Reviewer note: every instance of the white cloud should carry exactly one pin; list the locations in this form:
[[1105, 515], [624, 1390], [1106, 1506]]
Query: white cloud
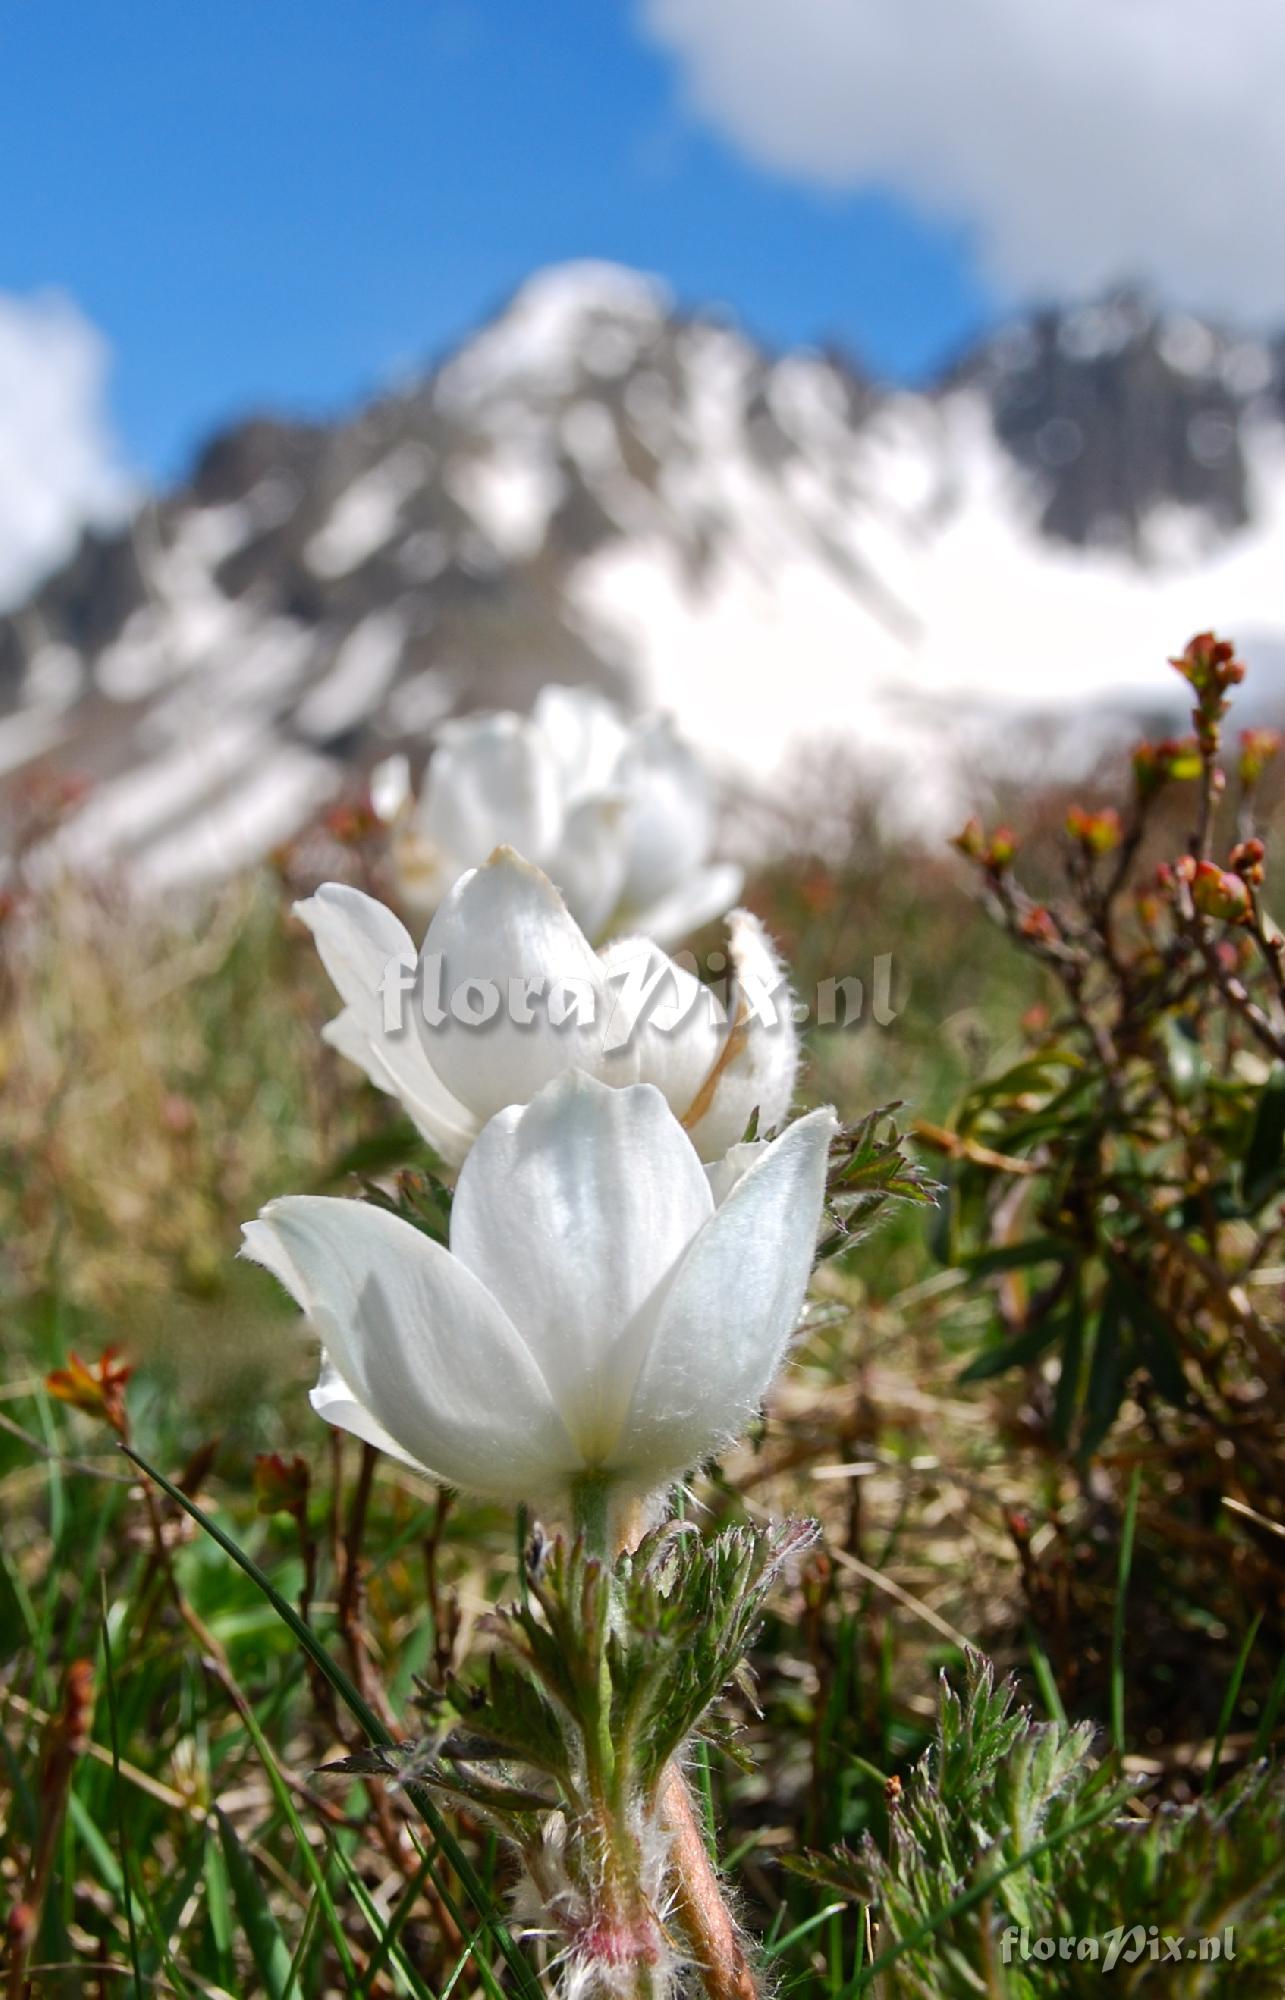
[[1080, 141], [60, 465]]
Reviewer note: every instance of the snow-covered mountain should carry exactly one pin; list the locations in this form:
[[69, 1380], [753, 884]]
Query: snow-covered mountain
[[594, 487]]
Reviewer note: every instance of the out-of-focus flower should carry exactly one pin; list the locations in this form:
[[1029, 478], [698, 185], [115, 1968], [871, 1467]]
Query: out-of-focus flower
[[617, 813], [602, 1314], [507, 993], [1155, 764], [98, 1390], [281, 1485], [993, 851], [1257, 749], [1216, 893], [1248, 860], [1210, 666], [1096, 832]]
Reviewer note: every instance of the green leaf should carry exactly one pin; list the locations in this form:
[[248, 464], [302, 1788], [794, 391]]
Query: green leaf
[[1018, 1256], [1066, 1400], [496, 1929], [268, 1948], [1108, 1371], [394, 1145], [1016, 1353]]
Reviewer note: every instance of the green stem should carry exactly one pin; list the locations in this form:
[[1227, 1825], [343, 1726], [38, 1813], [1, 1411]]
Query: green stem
[[592, 1513]]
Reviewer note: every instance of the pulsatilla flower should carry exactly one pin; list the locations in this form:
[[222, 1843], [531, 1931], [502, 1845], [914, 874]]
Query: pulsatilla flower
[[609, 1311], [507, 993], [617, 811]]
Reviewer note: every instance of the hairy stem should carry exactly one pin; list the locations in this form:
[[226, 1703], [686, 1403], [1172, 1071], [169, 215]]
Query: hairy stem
[[698, 1899]]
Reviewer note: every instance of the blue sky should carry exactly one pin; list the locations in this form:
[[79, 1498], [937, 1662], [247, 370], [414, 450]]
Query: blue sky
[[270, 203]]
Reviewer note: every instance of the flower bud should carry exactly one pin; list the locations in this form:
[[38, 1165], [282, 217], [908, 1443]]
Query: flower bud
[[1257, 748], [1210, 667], [98, 1391], [1039, 926], [1097, 832], [281, 1485], [1216, 893], [1209, 664], [970, 840], [1247, 859]]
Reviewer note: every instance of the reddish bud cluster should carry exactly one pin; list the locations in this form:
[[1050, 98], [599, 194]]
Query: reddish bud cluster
[[1257, 748], [352, 821], [1210, 666], [1037, 924], [1248, 860], [99, 1391], [818, 890], [1156, 764], [1096, 832], [1215, 892], [77, 1706], [280, 1485], [994, 851]]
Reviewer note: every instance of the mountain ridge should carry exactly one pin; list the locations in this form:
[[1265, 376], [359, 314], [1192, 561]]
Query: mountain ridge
[[594, 487]]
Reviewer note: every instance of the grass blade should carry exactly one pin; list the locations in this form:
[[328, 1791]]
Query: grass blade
[[1230, 1699], [494, 1926], [262, 1933], [118, 1799], [1117, 1629]]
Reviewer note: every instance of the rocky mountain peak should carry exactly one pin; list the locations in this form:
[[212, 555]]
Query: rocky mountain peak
[[596, 487]]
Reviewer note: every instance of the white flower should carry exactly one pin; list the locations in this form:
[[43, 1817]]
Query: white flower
[[504, 935], [617, 813], [598, 1313]]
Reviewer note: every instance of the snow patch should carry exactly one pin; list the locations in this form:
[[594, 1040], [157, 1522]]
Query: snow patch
[[510, 494], [358, 679], [572, 317], [365, 515]]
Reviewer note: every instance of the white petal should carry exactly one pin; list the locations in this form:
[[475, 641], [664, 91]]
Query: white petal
[[719, 1331], [588, 866], [419, 1343], [675, 1025], [491, 780], [759, 1068], [707, 894], [390, 792], [346, 1036], [669, 822], [334, 1400], [585, 733], [573, 1212], [736, 1162], [501, 926], [358, 939]]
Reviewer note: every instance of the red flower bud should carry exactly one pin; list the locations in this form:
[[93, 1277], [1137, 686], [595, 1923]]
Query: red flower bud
[[1002, 849], [99, 1391], [1097, 833], [1216, 893], [1257, 748], [1039, 925], [1247, 859], [280, 1485], [970, 840]]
